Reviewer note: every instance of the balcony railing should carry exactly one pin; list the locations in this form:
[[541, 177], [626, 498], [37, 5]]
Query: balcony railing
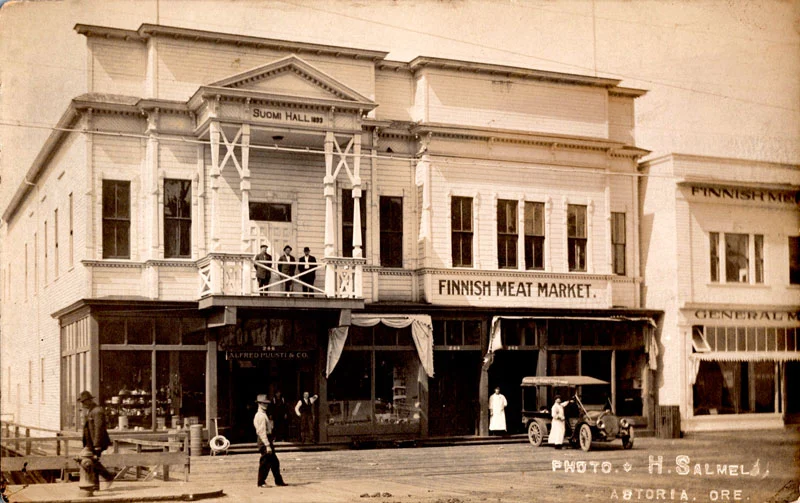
[[235, 274]]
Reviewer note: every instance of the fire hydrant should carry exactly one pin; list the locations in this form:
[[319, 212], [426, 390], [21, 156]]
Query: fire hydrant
[[86, 464]]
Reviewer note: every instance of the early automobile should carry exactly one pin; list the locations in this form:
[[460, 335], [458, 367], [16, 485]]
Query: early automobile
[[584, 424]]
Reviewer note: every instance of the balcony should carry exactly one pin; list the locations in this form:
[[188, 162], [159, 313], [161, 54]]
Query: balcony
[[227, 274]]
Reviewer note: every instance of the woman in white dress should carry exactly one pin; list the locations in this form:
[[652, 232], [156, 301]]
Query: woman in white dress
[[497, 412], [558, 425]]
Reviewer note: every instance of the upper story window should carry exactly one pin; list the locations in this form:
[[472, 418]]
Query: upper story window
[[116, 219], [507, 234], [177, 218], [534, 235], [461, 231], [618, 242], [738, 250], [794, 260], [270, 212], [576, 237], [347, 222], [391, 231]]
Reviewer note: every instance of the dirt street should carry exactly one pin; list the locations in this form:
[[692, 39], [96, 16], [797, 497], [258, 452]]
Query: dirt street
[[746, 466]]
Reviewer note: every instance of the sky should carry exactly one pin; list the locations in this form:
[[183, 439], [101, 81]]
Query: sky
[[723, 76]]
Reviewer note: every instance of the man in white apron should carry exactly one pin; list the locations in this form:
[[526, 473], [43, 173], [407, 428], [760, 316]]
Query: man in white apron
[[558, 425], [497, 412]]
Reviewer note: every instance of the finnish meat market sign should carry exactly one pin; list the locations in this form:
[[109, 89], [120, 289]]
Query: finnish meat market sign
[[516, 291]]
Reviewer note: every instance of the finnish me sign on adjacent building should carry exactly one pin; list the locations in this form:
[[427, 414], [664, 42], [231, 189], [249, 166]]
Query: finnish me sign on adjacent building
[[515, 291]]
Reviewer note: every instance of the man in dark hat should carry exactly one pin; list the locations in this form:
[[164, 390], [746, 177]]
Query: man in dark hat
[[95, 437], [306, 268], [268, 461], [262, 274], [287, 266]]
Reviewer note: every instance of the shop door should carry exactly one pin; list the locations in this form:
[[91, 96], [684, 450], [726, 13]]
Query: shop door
[[506, 372], [453, 401]]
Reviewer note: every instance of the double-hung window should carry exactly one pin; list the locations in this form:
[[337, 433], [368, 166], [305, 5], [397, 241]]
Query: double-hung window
[[116, 219], [461, 231], [739, 250], [576, 237], [391, 231], [618, 242], [794, 260], [507, 234], [177, 218], [534, 235]]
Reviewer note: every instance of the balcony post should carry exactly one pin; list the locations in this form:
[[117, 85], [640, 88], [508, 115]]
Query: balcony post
[[328, 192], [357, 238], [214, 133], [244, 186]]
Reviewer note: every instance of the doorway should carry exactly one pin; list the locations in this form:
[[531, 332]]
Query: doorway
[[453, 400], [506, 372]]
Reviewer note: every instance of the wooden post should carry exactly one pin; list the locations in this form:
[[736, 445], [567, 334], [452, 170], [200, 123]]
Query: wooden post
[[138, 468], [27, 441], [16, 438], [58, 444], [165, 471]]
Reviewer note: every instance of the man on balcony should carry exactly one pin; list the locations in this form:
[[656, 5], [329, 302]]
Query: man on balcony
[[262, 261], [306, 268], [287, 266]]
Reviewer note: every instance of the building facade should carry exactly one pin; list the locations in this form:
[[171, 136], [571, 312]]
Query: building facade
[[720, 254], [472, 223]]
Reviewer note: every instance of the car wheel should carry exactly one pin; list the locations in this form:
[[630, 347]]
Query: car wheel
[[585, 437], [535, 433]]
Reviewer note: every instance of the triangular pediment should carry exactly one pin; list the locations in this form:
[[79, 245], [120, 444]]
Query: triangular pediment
[[294, 77]]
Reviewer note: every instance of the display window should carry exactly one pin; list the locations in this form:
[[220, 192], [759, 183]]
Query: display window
[[126, 388], [725, 387]]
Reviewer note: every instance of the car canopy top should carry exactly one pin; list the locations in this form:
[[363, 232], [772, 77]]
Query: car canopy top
[[560, 381]]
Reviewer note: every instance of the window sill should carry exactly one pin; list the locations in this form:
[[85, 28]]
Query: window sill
[[751, 286]]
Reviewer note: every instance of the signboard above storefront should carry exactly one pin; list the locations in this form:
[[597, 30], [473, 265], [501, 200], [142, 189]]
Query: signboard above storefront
[[279, 115], [267, 355], [516, 290], [722, 193]]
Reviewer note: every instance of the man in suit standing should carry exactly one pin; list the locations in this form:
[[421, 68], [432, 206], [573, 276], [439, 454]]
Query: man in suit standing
[[305, 411], [287, 266], [262, 274], [95, 439], [307, 262]]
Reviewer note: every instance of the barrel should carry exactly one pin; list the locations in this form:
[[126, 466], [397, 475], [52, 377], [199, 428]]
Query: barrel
[[196, 439]]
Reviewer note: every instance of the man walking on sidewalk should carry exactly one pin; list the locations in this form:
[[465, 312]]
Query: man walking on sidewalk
[[95, 438], [268, 461]]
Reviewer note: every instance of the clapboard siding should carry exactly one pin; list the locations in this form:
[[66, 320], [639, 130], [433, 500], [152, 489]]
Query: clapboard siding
[[512, 182], [183, 66], [117, 67], [623, 294], [395, 95], [510, 104], [621, 121], [118, 281], [394, 286], [180, 283], [177, 159]]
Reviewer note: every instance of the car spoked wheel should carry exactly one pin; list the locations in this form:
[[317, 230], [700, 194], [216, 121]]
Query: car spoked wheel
[[535, 433], [585, 437]]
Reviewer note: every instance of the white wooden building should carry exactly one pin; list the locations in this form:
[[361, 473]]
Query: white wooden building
[[720, 255], [450, 204]]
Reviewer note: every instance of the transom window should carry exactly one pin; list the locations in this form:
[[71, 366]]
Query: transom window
[[270, 212]]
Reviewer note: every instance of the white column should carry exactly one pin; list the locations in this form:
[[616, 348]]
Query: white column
[[357, 238], [244, 186], [214, 135], [152, 189], [330, 231], [199, 215], [89, 192], [609, 247], [548, 235]]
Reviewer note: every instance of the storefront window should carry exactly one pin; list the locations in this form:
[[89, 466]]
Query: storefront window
[[349, 388], [396, 389], [180, 387], [735, 388], [125, 388]]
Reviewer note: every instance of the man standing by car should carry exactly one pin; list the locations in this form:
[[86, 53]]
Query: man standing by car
[[95, 438], [558, 425]]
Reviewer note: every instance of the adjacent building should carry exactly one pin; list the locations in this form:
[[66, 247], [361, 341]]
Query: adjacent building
[[472, 224], [721, 258]]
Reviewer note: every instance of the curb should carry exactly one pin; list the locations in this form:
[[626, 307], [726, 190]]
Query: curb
[[136, 499]]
